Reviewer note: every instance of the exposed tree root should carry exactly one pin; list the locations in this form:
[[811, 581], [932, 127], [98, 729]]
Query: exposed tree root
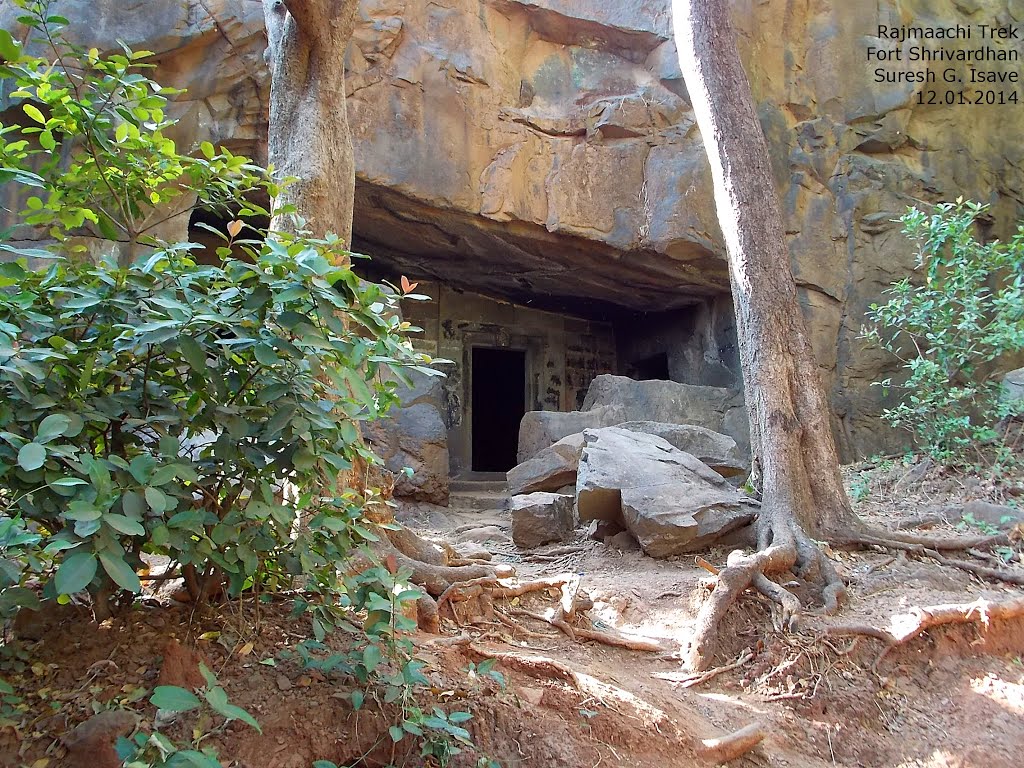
[[784, 546], [690, 681], [534, 666], [616, 640], [726, 748], [926, 547], [906, 627]]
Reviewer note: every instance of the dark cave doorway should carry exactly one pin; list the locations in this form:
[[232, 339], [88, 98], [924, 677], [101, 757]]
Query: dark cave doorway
[[498, 405]]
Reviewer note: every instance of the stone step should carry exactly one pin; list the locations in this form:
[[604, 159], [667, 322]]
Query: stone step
[[478, 486], [478, 500]]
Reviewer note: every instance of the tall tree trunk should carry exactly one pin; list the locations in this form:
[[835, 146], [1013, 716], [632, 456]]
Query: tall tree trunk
[[310, 140], [309, 135], [791, 434], [803, 498], [802, 490]]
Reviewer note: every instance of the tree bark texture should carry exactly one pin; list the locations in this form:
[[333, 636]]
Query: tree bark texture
[[309, 135], [791, 434]]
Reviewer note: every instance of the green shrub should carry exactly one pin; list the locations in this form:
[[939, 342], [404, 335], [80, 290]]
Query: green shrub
[[950, 325], [160, 405]]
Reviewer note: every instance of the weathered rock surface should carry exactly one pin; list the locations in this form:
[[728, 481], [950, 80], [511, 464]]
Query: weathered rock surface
[[91, 743], [718, 451], [545, 150], [541, 518], [542, 429], [551, 469], [555, 467], [1013, 388], [414, 435], [671, 502], [667, 402], [995, 515]]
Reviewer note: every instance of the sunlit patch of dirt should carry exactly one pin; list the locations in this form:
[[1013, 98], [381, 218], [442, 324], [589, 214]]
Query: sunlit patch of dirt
[[952, 697]]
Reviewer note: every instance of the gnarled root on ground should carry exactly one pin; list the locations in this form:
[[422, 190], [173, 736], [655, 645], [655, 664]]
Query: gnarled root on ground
[[783, 547], [933, 548], [567, 613], [908, 626]]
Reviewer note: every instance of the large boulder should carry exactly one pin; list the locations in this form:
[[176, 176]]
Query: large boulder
[[668, 402], [555, 467], [669, 500], [542, 518], [541, 429], [718, 451], [1013, 390], [551, 469], [415, 435]]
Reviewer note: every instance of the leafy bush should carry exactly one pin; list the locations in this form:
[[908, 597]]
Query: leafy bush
[[950, 326], [163, 405]]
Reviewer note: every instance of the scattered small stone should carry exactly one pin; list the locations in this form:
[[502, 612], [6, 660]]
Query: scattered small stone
[[284, 684], [624, 541]]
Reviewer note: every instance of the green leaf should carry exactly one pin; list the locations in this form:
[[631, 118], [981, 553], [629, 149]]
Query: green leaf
[[174, 699], [122, 573], [52, 426], [218, 699], [124, 525], [371, 657], [357, 699], [396, 733], [121, 133], [133, 505], [157, 500], [10, 50], [75, 573], [33, 111], [68, 482], [265, 355], [31, 456]]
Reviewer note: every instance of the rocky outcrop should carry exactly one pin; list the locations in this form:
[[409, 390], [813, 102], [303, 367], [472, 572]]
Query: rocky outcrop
[[671, 502], [541, 518], [553, 468], [668, 402], [690, 417], [718, 451], [414, 435], [544, 151], [556, 466], [541, 429]]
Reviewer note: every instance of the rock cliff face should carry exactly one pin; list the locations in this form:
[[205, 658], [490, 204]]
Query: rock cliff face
[[544, 151]]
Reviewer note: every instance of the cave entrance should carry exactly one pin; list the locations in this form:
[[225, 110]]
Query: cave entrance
[[498, 405]]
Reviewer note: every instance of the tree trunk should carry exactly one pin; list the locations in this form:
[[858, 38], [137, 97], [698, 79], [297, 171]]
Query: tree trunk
[[790, 427], [803, 498], [309, 135], [802, 490], [310, 141]]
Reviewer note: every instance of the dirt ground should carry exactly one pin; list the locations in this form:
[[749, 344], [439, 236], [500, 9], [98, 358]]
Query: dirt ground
[[953, 697]]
